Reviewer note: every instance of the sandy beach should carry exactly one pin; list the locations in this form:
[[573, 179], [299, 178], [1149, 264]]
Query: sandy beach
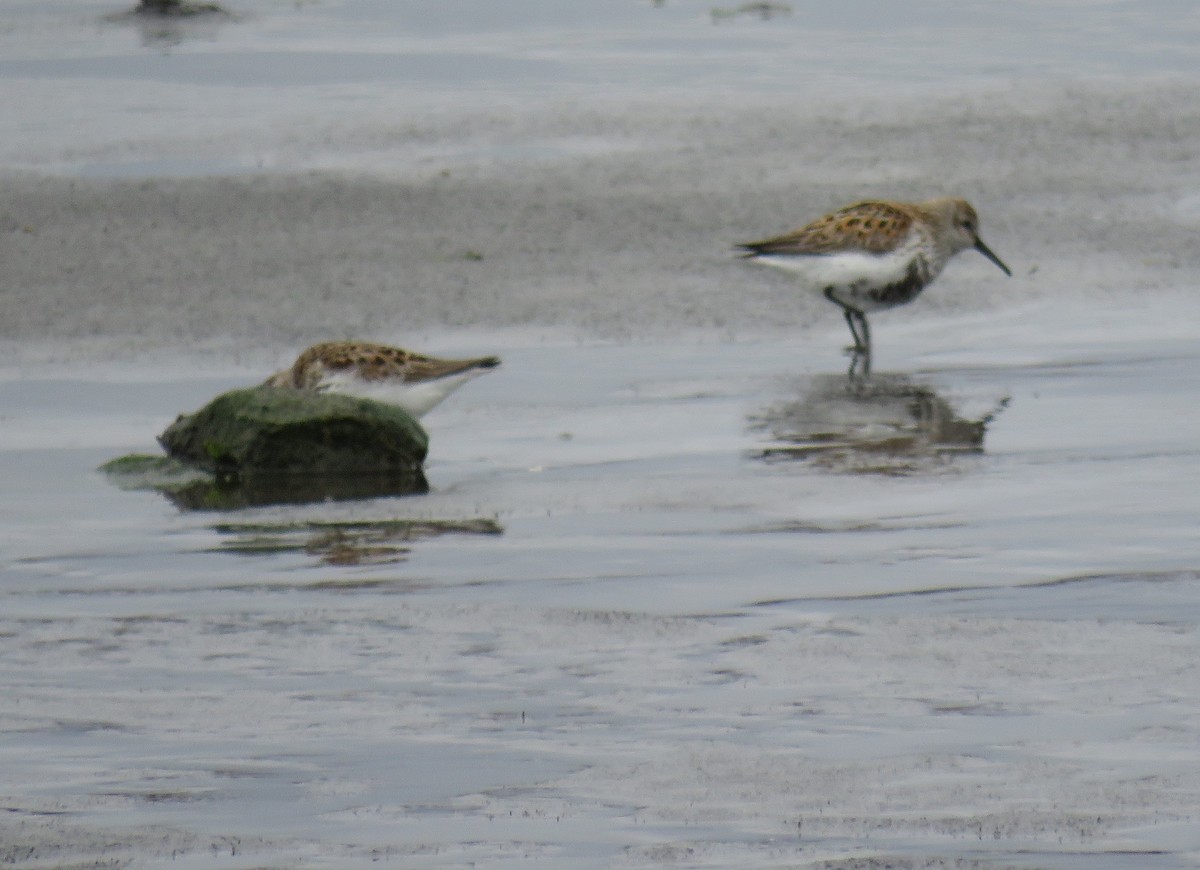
[[681, 594]]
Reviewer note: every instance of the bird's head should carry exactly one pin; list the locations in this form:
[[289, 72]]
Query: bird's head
[[958, 227]]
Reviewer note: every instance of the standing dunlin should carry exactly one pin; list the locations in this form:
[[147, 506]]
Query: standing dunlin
[[376, 371], [876, 254]]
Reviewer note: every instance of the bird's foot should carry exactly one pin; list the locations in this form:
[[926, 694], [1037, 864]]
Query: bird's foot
[[860, 363]]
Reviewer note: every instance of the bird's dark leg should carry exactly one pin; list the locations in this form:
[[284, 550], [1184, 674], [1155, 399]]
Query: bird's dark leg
[[850, 317], [860, 359], [866, 333], [860, 367], [860, 354], [860, 346]]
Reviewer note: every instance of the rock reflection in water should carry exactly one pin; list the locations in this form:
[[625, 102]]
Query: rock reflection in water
[[367, 542], [885, 424], [194, 489], [267, 489]]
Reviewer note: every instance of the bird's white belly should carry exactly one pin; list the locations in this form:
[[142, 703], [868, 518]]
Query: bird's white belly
[[415, 398], [852, 278]]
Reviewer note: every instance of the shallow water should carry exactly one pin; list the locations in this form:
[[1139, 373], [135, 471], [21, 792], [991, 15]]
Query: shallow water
[[682, 592], [287, 84], [650, 605]]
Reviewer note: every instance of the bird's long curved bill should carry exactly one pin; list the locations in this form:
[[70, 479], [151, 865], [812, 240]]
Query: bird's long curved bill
[[987, 252]]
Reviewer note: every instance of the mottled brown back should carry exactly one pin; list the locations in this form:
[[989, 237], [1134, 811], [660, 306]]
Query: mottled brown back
[[377, 362], [872, 227]]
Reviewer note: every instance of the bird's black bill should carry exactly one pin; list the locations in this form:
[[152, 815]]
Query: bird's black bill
[[987, 252]]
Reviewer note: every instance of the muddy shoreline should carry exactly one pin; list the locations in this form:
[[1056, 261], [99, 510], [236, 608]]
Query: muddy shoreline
[[631, 242]]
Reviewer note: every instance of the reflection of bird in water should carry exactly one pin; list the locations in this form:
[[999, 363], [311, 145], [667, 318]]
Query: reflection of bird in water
[[167, 23], [887, 425], [179, 8], [875, 255], [410, 380]]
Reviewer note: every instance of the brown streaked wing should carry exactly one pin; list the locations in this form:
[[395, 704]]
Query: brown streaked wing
[[372, 361], [376, 362], [873, 227], [427, 368]]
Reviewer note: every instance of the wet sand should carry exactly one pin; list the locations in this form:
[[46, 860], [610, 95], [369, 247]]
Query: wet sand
[[722, 607], [633, 241]]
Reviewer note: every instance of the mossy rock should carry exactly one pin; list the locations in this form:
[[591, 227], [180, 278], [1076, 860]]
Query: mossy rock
[[266, 430], [142, 471]]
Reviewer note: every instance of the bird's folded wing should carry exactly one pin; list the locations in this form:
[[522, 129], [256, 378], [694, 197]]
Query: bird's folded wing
[[868, 227]]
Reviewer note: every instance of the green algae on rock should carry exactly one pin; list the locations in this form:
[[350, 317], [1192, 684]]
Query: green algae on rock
[[144, 471], [270, 446], [268, 430]]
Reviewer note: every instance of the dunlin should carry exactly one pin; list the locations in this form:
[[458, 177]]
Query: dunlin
[[410, 380], [876, 254]]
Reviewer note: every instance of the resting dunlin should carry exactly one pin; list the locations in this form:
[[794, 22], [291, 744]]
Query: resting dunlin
[[410, 380]]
